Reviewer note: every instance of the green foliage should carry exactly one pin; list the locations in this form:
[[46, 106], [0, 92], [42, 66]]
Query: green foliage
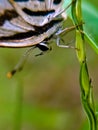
[[51, 80], [90, 19], [89, 31]]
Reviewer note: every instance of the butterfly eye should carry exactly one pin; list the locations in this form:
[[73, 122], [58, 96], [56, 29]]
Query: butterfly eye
[[57, 1]]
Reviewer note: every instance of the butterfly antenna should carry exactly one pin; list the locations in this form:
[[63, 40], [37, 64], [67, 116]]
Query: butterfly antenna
[[21, 63]]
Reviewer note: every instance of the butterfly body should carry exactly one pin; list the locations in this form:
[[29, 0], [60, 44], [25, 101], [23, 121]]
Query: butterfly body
[[31, 23], [25, 23]]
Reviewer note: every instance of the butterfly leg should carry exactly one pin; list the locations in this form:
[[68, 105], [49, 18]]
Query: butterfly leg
[[68, 29], [62, 45], [64, 32], [42, 46], [21, 63]]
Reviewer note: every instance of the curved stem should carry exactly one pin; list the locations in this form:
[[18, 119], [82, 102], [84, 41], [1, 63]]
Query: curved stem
[[85, 81]]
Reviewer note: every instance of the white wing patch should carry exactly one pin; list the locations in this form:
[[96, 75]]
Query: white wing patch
[[28, 22], [30, 9]]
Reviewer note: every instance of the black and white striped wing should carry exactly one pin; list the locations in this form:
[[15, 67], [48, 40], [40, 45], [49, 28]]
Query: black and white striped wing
[[27, 22], [37, 12]]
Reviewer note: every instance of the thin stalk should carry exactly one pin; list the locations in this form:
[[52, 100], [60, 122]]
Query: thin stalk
[[85, 81], [18, 106]]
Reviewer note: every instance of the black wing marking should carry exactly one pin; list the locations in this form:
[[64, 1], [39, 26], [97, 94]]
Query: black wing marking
[[37, 12], [30, 38], [15, 31], [11, 23]]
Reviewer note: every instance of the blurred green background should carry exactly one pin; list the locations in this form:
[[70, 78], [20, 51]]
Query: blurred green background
[[45, 95]]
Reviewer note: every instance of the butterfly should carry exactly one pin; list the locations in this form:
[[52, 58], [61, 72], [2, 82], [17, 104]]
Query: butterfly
[[30, 23]]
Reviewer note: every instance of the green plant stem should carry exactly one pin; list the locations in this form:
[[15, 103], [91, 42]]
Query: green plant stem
[[18, 106], [87, 96], [85, 81]]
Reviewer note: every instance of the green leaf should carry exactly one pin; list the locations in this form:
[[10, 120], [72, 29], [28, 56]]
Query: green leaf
[[90, 18]]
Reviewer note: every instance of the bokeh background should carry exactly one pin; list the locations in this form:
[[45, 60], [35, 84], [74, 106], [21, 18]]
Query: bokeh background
[[45, 95]]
